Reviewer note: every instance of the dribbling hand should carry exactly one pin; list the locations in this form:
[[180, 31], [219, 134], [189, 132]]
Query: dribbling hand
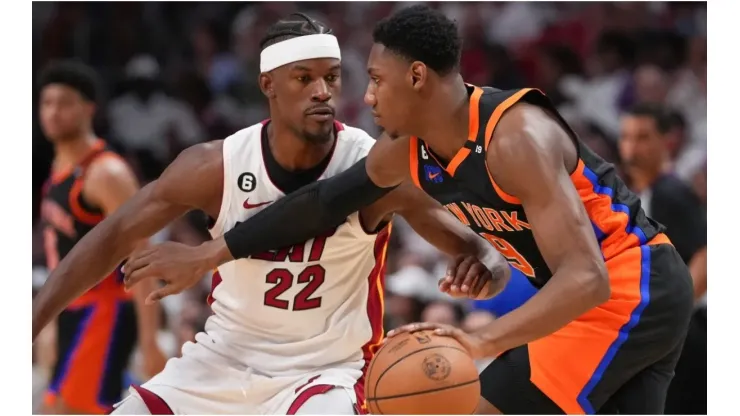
[[179, 266], [472, 343], [467, 277]]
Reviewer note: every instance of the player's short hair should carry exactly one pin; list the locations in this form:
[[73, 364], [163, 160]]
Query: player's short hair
[[420, 33], [295, 25], [73, 74], [658, 113], [675, 119]]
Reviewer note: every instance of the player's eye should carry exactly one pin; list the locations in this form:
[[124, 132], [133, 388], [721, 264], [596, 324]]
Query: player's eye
[[304, 78], [332, 78]]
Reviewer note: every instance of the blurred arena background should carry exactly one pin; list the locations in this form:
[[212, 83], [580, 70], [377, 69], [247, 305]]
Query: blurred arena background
[[176, 74]]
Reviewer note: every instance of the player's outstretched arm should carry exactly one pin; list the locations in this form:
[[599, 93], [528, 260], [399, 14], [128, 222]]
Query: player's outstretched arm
[[109, 183], [527, 157], [192, 181], [477, 270], [315, 208]]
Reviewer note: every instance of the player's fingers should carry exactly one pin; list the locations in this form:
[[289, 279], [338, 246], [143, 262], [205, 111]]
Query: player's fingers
[[162, 292], [474, 271], [452, 267], [445, 332], [134, 277], [444, 285], [461, 272], [136, 261], [419, 326], [480, 284]]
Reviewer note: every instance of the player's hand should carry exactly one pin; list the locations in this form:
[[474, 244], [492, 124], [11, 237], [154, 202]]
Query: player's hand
[[467, 277], [472, 343], [153, 361], [179, 266]]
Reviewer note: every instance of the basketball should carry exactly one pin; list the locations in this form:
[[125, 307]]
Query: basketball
[[422, 374]]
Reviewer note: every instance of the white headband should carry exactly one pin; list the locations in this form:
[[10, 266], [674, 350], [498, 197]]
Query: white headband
[[297, 49]]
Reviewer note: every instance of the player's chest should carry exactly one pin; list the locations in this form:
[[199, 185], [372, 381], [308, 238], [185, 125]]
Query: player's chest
[[505, 226]]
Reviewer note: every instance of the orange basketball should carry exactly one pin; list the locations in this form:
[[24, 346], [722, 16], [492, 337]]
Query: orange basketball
[[422, 374]]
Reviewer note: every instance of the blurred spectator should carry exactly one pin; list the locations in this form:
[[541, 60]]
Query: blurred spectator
[[651, 84], [443, 313], [212, 59], [147, 120], [599, 98], [665, 198], [671, 202]]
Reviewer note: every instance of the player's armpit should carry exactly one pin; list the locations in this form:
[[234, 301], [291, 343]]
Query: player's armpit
[[193, 181], [529, 157]]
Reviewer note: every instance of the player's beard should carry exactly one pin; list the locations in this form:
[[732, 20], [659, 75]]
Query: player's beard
[[319, 137], [66, 136]]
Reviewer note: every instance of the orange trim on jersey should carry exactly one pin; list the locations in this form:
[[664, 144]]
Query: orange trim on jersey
[[562, 374], [80, 213], [62, 175], [414, 160], [500, 192], [498, 112], [80, 387], [473, 126], [599, 207]]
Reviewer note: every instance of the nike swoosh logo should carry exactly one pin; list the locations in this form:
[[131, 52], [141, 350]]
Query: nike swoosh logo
[[433, 175], [247, 205]]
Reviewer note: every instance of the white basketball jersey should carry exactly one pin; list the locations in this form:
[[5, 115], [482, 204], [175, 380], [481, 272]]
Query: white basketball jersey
[[314, 305]]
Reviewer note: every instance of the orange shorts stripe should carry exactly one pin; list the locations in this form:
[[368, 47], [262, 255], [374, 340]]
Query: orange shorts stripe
[[568, 364], [82, 375]]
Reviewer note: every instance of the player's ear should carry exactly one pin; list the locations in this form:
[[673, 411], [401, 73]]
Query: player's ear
[[418, 73], [266, 85]]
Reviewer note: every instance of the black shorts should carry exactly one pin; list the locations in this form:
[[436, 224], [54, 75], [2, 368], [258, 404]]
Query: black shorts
[[616, 358], [94, 344]]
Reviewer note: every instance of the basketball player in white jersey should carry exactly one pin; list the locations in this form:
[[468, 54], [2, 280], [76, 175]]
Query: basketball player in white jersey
[[292, 329]]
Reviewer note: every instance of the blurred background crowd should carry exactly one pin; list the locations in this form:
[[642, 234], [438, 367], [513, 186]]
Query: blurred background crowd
[[176, 74]]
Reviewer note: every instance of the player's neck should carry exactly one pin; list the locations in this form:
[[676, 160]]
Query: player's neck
[[293, 152], [69, 153], [446, 128]]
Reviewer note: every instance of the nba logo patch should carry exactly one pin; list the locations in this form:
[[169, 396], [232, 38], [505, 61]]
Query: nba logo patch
[[433, 173]]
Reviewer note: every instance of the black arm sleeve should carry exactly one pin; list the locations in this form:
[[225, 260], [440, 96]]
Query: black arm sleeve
[[305, 213]]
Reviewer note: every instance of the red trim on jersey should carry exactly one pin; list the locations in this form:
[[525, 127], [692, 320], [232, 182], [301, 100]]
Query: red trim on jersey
[[155, 404], [215, 281], [375, 306], [307, 394]]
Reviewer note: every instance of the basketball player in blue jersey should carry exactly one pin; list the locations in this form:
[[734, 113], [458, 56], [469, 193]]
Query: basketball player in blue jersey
[[97, 331], [607, 324]]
